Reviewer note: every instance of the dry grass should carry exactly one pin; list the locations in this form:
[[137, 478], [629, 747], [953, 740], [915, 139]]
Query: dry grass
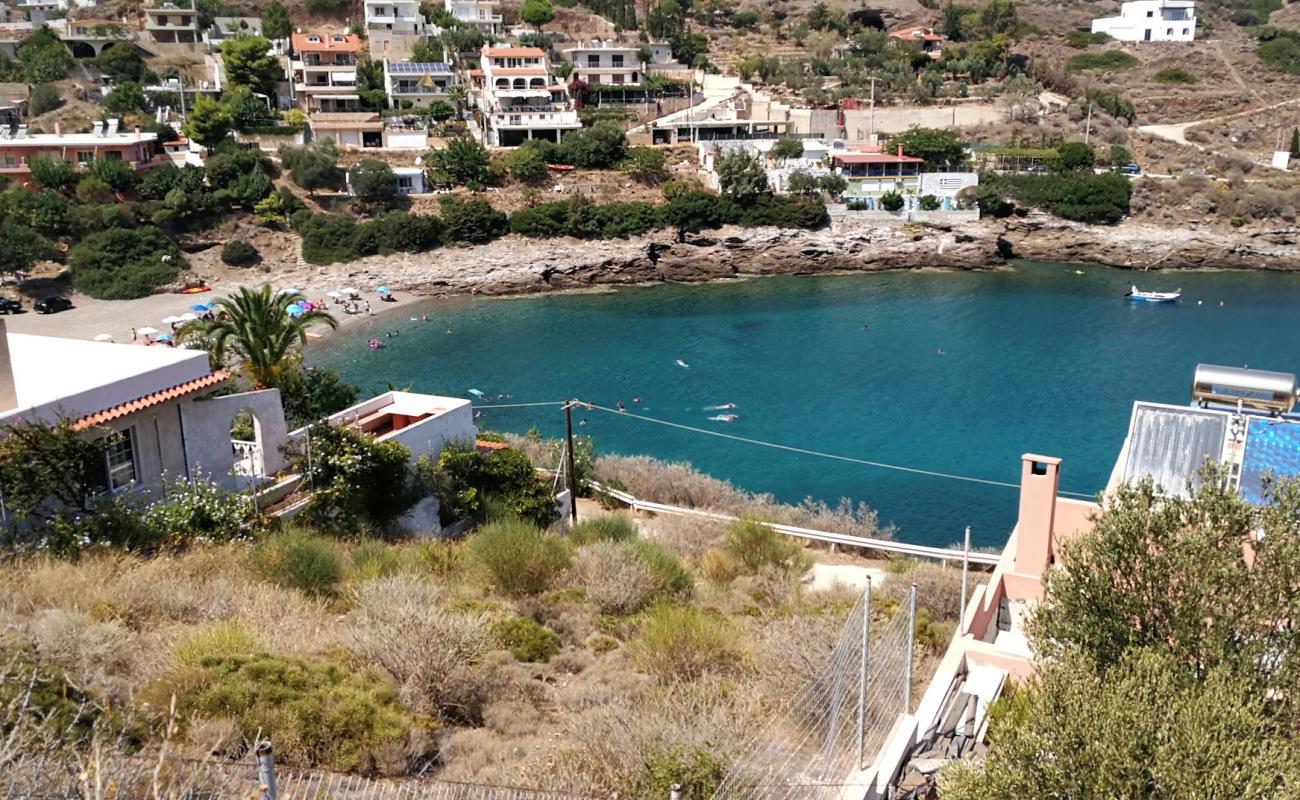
[[614, 577]]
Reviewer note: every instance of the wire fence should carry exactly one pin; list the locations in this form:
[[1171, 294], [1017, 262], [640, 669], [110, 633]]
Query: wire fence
[[86, 777], [839, 720]]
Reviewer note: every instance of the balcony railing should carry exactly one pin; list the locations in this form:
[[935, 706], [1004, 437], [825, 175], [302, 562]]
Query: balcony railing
[[530, 109], [400, 89]]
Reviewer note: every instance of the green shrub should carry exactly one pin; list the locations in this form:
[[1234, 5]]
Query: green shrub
[[124, 263], [601, 643], [469, 483], [43, 98], [1078, 196], [1280, 49], [604, 528], [528, 640], [670, 579], [677, 642], [200, 510], [517, 558], [1109, 61], [215, 640], [372, 559], [757, 545], [1081, 39], [891, 201], [297, 559], [697, 771], [319, 713], [473, 221], [357, 481], [930, 203], [326, 238], [239, 254], [398, 232], [1174, 76]]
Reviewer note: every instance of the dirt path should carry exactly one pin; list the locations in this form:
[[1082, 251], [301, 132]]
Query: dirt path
[[1177, 132]]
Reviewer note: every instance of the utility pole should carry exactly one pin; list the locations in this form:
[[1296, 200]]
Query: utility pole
[[911, 647], [862, 671], [871, 125], [568, 456], [965, 568], [1087, 126]]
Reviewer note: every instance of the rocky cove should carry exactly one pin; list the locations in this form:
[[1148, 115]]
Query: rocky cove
[[516, 265]]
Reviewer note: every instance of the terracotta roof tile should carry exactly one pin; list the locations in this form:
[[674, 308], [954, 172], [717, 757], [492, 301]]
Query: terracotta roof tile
[[209, 381]]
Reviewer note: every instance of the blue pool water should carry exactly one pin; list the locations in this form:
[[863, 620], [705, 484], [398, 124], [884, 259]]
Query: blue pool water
[[1034, 359]]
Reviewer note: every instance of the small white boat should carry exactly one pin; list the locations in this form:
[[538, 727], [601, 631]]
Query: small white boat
[[1138, 296]]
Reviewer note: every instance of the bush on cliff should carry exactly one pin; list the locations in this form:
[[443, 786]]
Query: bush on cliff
[[124, 263], [1078, 196]]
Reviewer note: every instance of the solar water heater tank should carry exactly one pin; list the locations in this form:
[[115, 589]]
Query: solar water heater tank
[[1252, 388]]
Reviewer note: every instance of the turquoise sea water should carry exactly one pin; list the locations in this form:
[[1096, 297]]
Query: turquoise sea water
[[1035, 359]]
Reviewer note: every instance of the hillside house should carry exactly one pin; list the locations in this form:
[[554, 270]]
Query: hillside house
[[1151, 21], [520, 97], [18, 148], [482, 14], [417, 83], [921, 37], [323, 72], [172, 22]]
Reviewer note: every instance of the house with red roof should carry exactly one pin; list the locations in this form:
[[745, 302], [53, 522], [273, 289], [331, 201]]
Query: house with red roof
[[926, 39], [520, 97]]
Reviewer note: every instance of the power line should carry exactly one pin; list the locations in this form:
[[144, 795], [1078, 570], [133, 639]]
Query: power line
[[818, 453], [519, 405]]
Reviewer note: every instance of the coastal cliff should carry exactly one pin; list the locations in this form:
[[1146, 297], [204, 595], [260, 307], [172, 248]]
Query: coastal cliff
[[516, 265]]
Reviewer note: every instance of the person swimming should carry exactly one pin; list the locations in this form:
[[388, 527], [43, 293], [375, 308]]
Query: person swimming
[[723, 407], [683, 364], [619, 405], [725, 417]]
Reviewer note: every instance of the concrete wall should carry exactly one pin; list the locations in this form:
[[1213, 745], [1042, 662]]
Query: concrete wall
[[406, 140], [431, 435], [839, 213], [859, 124], [207, 434]]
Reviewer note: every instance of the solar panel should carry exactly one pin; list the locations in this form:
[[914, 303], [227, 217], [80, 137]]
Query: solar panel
[[1272, 448], [417, 67], [1170, 445]]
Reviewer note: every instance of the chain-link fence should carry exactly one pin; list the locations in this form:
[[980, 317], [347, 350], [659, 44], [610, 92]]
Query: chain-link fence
[[838, 721]]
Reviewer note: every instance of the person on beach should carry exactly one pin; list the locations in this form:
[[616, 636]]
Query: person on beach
[[368, 311]]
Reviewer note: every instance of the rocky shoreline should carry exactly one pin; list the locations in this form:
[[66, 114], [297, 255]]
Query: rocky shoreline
[[516, 265]]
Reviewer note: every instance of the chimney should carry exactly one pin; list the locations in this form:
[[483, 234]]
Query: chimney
[[900, 151], [8, 389], [1039, 478]]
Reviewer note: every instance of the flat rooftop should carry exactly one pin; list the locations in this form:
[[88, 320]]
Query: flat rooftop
[[56, 377], [1170, 444]]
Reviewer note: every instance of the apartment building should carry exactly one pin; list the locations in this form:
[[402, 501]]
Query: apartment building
[[606, 62], [394, 16], [483, 14], [18, 148], [323, 71], [172, 22], [520, 97], [417, 82]]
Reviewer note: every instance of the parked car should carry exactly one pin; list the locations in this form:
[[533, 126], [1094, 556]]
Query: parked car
[[52, 305], [1129, 169], [10, 306], [1037, 169]]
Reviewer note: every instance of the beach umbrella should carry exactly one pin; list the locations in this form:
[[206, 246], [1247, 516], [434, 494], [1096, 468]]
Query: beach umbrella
[[201, 308], [382, 290], [349, 290], [170, 320], [104, 337], [335, 295], [146, 331], [476, 393], [164, 337], [188, 316]]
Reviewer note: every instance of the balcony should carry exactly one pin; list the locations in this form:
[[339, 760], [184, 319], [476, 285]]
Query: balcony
[[298, 64], [542, 119], [399, 89]]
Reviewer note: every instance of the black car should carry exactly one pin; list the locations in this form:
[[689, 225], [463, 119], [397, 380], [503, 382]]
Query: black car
[[10, 306], [52, 305]]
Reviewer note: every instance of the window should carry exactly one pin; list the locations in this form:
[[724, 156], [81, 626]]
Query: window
[[617, 60], [1169, 31], [85, 156], [120, 460], [1150, 13], [113, 155], [1186, 31], [593, 61]]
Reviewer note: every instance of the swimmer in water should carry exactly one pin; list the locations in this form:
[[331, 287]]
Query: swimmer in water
[[619, 405], [939, 351], [683, 364], [636, 400], [582, 422]]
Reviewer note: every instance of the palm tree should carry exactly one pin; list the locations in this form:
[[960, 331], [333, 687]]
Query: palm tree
[[256, 326]]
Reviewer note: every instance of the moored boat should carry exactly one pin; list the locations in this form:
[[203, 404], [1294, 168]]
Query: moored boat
[[1138, 296]]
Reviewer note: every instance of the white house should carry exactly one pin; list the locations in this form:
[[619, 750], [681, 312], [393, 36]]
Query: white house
[[520, 97], [606, 62], [396, 16], [157, 398], [1151, 21], [482, 14], [422, 423], [417, 82]]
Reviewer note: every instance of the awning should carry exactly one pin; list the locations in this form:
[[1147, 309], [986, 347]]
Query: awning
[[341, 96], [346, 76]]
